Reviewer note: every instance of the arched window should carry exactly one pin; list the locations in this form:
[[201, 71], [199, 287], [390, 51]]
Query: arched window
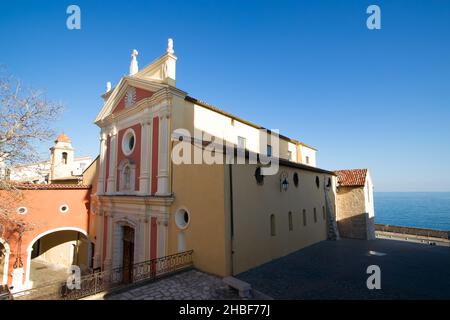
[[259, 177], [272, 225], [295, 179], [291, 226], [126, 178], [64, 158]]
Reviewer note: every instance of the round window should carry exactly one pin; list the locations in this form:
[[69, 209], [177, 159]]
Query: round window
[[64, 208], [182, 218], [128, 142], [22, 210]]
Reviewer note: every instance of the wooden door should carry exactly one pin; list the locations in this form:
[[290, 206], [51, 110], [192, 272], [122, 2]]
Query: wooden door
[[128, 254]]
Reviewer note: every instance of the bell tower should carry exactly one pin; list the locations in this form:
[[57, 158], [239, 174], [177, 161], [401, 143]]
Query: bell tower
[[62, 158]]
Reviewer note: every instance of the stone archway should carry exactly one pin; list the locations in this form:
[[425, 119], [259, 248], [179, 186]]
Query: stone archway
[[51, 253]]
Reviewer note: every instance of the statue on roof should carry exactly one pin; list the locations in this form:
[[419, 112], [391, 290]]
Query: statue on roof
[[134, 64], [170, 46]]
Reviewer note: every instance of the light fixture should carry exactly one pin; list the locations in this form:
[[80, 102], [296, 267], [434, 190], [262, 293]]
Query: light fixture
[[284, 184]]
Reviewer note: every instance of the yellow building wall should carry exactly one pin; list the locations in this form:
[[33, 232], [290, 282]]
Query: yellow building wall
[[199, 189], [90, 176], [190, 116], [253, 205]]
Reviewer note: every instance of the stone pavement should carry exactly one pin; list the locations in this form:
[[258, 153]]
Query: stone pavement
[[337, 270], [43, 272], [188, 285]]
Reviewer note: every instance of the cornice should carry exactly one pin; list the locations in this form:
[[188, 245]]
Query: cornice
[[162, 96], [159, 89], [139, 200]]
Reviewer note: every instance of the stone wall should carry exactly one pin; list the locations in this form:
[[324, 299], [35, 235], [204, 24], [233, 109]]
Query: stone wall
[[352, 217]]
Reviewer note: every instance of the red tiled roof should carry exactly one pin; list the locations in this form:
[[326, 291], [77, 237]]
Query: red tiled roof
[[62, 138], [35, 186], [351, 177]]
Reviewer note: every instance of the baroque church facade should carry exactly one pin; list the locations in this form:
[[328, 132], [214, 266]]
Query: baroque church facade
[[231, 220], [176, 174]]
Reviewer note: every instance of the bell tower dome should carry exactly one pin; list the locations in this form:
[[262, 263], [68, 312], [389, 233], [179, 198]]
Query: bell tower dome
[[62, 157]]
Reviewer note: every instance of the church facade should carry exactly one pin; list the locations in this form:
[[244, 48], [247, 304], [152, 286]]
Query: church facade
[[165, 183], [176, 174]]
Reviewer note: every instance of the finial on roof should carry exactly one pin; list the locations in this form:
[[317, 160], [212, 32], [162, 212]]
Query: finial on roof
[[170, 46], [108, 87], [134, 64]]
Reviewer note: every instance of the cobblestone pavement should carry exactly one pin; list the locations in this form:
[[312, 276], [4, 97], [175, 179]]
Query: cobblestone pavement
[[42, 272], [188, 285], [338, 270]]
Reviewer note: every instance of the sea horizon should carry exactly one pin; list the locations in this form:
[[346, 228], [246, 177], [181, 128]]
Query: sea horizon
[[419, 209]]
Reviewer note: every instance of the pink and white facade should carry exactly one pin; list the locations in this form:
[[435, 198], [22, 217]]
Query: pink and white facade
[[134, 179]]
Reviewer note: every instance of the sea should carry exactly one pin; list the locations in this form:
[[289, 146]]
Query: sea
[[429, 210]]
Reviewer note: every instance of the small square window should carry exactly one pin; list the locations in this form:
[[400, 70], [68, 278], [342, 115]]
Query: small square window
[[242, 143], [290, 155]]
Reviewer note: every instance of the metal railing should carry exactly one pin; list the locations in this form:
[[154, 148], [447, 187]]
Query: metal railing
[[110, 279]]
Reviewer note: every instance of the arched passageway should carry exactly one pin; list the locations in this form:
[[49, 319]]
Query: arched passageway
[[53, 253]]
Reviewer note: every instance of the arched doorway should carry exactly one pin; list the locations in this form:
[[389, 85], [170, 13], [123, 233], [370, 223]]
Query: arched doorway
[[51, 254], [4, 261]]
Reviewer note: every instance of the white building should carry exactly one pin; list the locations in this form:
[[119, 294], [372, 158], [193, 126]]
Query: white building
[[63, 166]]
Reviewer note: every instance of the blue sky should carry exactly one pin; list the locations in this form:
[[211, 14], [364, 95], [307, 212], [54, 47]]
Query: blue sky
[[365, 98]]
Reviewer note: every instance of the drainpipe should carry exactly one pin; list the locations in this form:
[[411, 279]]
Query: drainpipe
[[231, 216]]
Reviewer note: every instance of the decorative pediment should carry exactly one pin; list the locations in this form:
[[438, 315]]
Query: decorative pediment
[[160, 74], [127, 93], [130, 97], [161, 70]]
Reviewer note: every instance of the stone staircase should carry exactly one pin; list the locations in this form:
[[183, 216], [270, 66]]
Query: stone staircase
[[332, 229]]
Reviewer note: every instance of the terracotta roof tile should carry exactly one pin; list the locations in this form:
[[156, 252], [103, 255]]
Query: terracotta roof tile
[[35, 186], [62, 138], [351, 177]]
